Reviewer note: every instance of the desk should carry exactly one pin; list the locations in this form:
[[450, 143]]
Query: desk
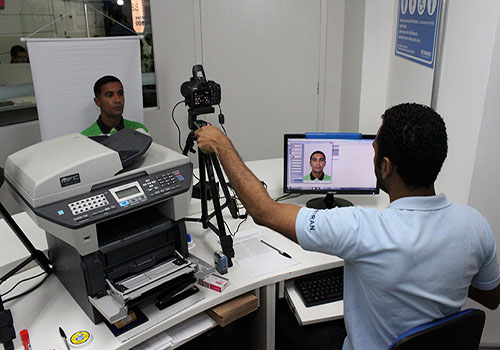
[[51, 306]]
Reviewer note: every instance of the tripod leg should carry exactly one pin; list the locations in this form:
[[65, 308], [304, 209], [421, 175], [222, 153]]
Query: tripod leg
[[203, 193], [225, 240], [231, 202]]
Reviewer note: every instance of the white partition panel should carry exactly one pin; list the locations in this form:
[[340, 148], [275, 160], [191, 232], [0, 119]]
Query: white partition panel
[[64, 72]]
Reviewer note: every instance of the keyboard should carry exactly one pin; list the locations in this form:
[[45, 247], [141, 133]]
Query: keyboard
[[321, 287]]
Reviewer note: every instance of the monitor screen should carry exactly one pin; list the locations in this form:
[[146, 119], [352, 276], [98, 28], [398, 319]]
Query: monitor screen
[[329, 164]]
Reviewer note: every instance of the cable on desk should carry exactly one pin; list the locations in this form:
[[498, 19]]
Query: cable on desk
[[21, 281], [286, 197], [29, 290]]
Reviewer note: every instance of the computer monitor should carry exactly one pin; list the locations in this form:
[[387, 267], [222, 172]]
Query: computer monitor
[[330, 164]]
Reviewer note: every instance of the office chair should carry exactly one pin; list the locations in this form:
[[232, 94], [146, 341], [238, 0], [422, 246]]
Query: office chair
[[460, 331]]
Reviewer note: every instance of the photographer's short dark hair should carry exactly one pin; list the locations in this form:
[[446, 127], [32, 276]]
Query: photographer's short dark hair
[[103, 81], [311, 156], [414, 138]]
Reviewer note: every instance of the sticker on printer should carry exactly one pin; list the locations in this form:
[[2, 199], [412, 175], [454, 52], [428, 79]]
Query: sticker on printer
[[70, 180]]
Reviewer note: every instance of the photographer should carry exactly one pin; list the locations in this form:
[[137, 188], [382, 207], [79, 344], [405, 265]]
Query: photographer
[[416, 261]]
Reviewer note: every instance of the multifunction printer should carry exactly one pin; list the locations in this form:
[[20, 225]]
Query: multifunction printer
[[113, 211]]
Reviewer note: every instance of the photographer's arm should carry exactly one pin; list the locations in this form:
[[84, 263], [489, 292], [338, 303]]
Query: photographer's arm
[[263, 209], [488, 298]]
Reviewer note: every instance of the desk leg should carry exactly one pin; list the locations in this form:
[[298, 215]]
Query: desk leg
[[264, 323]]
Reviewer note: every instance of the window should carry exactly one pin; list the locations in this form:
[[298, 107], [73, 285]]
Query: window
[[64, 19]]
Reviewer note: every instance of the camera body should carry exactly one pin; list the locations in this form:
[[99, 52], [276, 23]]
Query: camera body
[[199, 92]]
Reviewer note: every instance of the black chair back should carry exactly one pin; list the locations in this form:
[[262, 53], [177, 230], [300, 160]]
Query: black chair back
[[460, 331]]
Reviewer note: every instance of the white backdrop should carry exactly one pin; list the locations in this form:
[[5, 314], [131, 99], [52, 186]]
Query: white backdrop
[[64, 72]]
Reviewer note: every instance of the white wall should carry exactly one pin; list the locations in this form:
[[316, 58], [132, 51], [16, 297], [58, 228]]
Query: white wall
[[267, 59], [485, 187], [354, 25], [379, 17], [468, 45], [333, 65]]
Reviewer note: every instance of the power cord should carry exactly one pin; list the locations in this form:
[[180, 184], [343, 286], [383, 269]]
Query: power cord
[[29, 290], [177, 125], [286, 197]]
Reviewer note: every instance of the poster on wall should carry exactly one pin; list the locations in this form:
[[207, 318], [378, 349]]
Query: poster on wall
[[2, 4], [417, 31]]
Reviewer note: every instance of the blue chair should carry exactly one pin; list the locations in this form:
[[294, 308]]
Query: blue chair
[[460, 331]]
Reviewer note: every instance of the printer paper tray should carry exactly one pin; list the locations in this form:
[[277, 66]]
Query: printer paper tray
[[136, 285], [114, 306]]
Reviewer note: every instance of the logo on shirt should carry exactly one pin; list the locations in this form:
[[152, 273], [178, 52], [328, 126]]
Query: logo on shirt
[[312, 223]]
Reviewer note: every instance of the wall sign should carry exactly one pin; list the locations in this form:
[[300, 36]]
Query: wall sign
[[416, 35]]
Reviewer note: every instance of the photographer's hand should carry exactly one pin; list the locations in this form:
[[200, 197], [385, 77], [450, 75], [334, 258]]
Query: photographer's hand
[[259, 205], [210, 138]]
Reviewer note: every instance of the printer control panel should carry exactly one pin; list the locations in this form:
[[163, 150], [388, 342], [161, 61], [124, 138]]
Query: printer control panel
[[118, 198]]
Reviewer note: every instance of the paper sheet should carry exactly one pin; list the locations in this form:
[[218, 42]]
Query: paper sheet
[[255, 257]]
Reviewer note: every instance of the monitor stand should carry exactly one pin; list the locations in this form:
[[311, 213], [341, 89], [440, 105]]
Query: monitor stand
[[328, 202]]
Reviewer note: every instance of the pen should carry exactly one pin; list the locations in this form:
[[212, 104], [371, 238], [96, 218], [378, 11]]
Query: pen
[[63, 335], [279, 251]]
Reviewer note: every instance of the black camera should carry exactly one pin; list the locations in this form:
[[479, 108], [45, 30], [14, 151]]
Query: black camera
[[199, 92]]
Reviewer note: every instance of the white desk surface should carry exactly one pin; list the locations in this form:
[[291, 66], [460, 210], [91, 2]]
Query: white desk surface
[[51, 306]]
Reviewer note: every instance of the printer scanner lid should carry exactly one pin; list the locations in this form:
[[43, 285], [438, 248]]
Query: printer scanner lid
[[72, 164]]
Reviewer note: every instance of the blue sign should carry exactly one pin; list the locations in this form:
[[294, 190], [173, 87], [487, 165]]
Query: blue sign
[[416, 35]]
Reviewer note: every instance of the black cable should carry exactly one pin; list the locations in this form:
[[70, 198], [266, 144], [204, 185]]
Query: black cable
[[21, 281], [27, 292], [242, 221], [286, 197], [221, 119], [227, 226], [177, 125]]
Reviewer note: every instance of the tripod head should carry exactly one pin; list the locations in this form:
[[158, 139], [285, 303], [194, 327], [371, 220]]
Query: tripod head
[[195, 124], [193, 113]]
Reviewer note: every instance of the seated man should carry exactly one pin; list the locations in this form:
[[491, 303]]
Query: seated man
[[410, 264], [109, 97], [317, 161]]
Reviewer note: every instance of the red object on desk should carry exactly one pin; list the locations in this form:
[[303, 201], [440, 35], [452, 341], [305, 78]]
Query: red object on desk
[[25, 338]]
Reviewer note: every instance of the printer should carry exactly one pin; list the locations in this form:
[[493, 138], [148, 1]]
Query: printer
[[113, 217]]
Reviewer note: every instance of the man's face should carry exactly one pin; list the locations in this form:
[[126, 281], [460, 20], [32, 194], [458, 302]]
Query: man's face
[[21, 57], [317, 163], [111, 100]]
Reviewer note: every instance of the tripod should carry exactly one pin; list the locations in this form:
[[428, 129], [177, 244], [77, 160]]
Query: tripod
[[207, 164]]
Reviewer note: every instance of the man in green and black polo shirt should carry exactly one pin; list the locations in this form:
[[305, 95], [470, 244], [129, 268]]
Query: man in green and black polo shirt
[[109, 97], [317, 162]]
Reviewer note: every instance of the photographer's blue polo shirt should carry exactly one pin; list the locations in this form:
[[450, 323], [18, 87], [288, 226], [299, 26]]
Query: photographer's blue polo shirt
[[405, 266]]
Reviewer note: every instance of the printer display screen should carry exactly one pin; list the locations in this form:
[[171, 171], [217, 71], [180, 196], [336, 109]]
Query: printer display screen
[[127, 192]]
